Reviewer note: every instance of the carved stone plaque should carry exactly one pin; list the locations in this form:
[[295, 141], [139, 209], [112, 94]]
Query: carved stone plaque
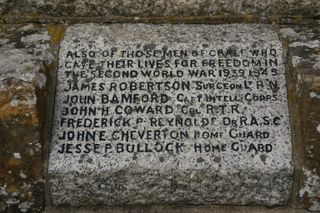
[[171, 114]]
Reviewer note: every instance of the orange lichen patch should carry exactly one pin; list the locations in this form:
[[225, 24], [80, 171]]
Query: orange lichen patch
[[29, 114], [3, 173], [14, 163], [17, 102], [28, 194], [37, 168], [4, 97], [17, 87], [56, 32], [316, 85], [32, 15], [11, 189], [250, 18]]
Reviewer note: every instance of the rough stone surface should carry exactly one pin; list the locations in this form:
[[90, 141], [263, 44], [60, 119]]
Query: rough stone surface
[[179, 209], [24, 51], [91, 8], [116, 176], [304, 47]]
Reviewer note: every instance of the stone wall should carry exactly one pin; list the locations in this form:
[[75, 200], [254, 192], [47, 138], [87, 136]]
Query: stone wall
[[107, 8], [303, 72], [30, 35], [27, 54]]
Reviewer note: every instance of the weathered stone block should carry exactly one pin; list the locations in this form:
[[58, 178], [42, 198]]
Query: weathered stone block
[[304, 59], [171, 114], [25, 50], [85, 8]]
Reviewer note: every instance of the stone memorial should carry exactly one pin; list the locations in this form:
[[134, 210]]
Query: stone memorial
[[174, 114]]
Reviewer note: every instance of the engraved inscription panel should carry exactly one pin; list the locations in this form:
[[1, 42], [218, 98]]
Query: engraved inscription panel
[[169, 99]]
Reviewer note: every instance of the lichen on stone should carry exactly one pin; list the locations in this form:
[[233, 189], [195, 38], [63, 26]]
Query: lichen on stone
[[25, 54]]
